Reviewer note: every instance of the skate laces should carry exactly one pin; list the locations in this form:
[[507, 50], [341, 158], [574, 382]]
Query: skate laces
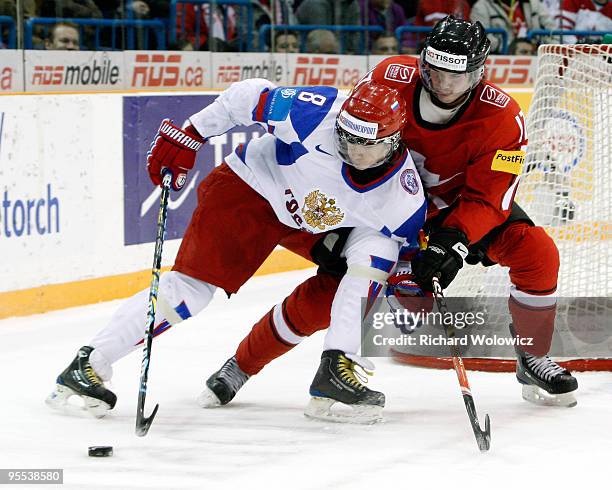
[[352, 372], [544, 367], [91, 375], [231, 373]]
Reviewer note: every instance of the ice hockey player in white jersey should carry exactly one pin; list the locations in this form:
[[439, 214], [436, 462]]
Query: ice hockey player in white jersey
[[326, 162]]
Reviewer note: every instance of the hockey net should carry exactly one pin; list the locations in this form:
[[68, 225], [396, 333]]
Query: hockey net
[[566, 187]]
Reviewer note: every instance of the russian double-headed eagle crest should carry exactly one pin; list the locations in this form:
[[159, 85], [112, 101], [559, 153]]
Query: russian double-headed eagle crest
[[319, 211]]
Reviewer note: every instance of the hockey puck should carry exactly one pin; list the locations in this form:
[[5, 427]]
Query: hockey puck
[[100, 451]]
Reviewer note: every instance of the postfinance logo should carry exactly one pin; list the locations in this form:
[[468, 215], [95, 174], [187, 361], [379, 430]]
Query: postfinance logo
[[508, 161]]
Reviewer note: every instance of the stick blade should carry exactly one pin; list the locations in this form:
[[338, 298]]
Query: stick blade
[[483, 438], [144, 423]]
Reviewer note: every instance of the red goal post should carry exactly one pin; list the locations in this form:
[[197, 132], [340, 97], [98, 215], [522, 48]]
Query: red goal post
[[495, 365]]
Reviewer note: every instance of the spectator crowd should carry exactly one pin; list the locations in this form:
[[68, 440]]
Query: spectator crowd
[[338, 26]]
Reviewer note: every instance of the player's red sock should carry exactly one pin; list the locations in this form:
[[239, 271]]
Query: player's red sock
[[533, 259], [303, 312], [533, 325]]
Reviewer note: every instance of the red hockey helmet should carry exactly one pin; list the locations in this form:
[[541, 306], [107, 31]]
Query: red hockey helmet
[[369, 125]]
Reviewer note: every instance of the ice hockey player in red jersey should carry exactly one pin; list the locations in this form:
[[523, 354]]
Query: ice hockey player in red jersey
[[467, 138]]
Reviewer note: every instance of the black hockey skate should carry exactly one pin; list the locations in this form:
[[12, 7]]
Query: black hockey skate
[[79, 379], [338, 380], [545, 382], [223, 385]]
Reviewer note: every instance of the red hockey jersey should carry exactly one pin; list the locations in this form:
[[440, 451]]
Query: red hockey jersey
[[473, 162]]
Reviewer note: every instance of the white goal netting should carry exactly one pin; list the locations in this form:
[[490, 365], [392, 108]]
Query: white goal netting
[[566, 186]]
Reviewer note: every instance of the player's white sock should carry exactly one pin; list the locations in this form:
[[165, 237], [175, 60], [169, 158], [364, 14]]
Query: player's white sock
[[180, 297]]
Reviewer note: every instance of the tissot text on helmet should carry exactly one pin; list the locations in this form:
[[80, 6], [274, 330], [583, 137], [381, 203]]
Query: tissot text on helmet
[[446, 60]]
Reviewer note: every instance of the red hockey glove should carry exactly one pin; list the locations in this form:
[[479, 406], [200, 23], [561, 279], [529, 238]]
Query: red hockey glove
[[403, 293], [175, 149]]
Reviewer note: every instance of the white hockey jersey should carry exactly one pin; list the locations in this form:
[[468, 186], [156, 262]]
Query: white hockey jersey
[[296, 168]]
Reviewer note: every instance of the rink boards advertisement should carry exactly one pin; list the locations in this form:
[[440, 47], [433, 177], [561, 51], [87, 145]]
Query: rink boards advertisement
[[69, 71], [87, 71], [11, 71], [141, 117]]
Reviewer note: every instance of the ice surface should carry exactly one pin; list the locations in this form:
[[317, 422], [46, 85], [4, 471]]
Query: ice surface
[[262, 440]]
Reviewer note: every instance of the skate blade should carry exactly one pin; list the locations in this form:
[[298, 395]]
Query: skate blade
[[538, 396], [320, 408], [208, 399], [62, 398]]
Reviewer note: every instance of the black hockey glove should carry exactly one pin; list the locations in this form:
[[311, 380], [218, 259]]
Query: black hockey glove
[[446, 249], [326, 253]]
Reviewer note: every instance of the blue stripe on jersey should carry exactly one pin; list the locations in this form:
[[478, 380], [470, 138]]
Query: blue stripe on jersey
[[373, 292], [288, 154], [381, 263], [410, 228], [183, 311], [310, 107], [241, 151], [279, 103], [274, 105], [260, 114], [376, 183], [161, 328], [386, 231], [408, 252]]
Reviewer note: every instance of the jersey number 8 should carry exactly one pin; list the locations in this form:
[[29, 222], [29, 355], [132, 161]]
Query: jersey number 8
[[310, 97]]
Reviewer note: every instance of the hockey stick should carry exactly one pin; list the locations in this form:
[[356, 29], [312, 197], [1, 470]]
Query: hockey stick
[[143, 423], [483, 437]]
